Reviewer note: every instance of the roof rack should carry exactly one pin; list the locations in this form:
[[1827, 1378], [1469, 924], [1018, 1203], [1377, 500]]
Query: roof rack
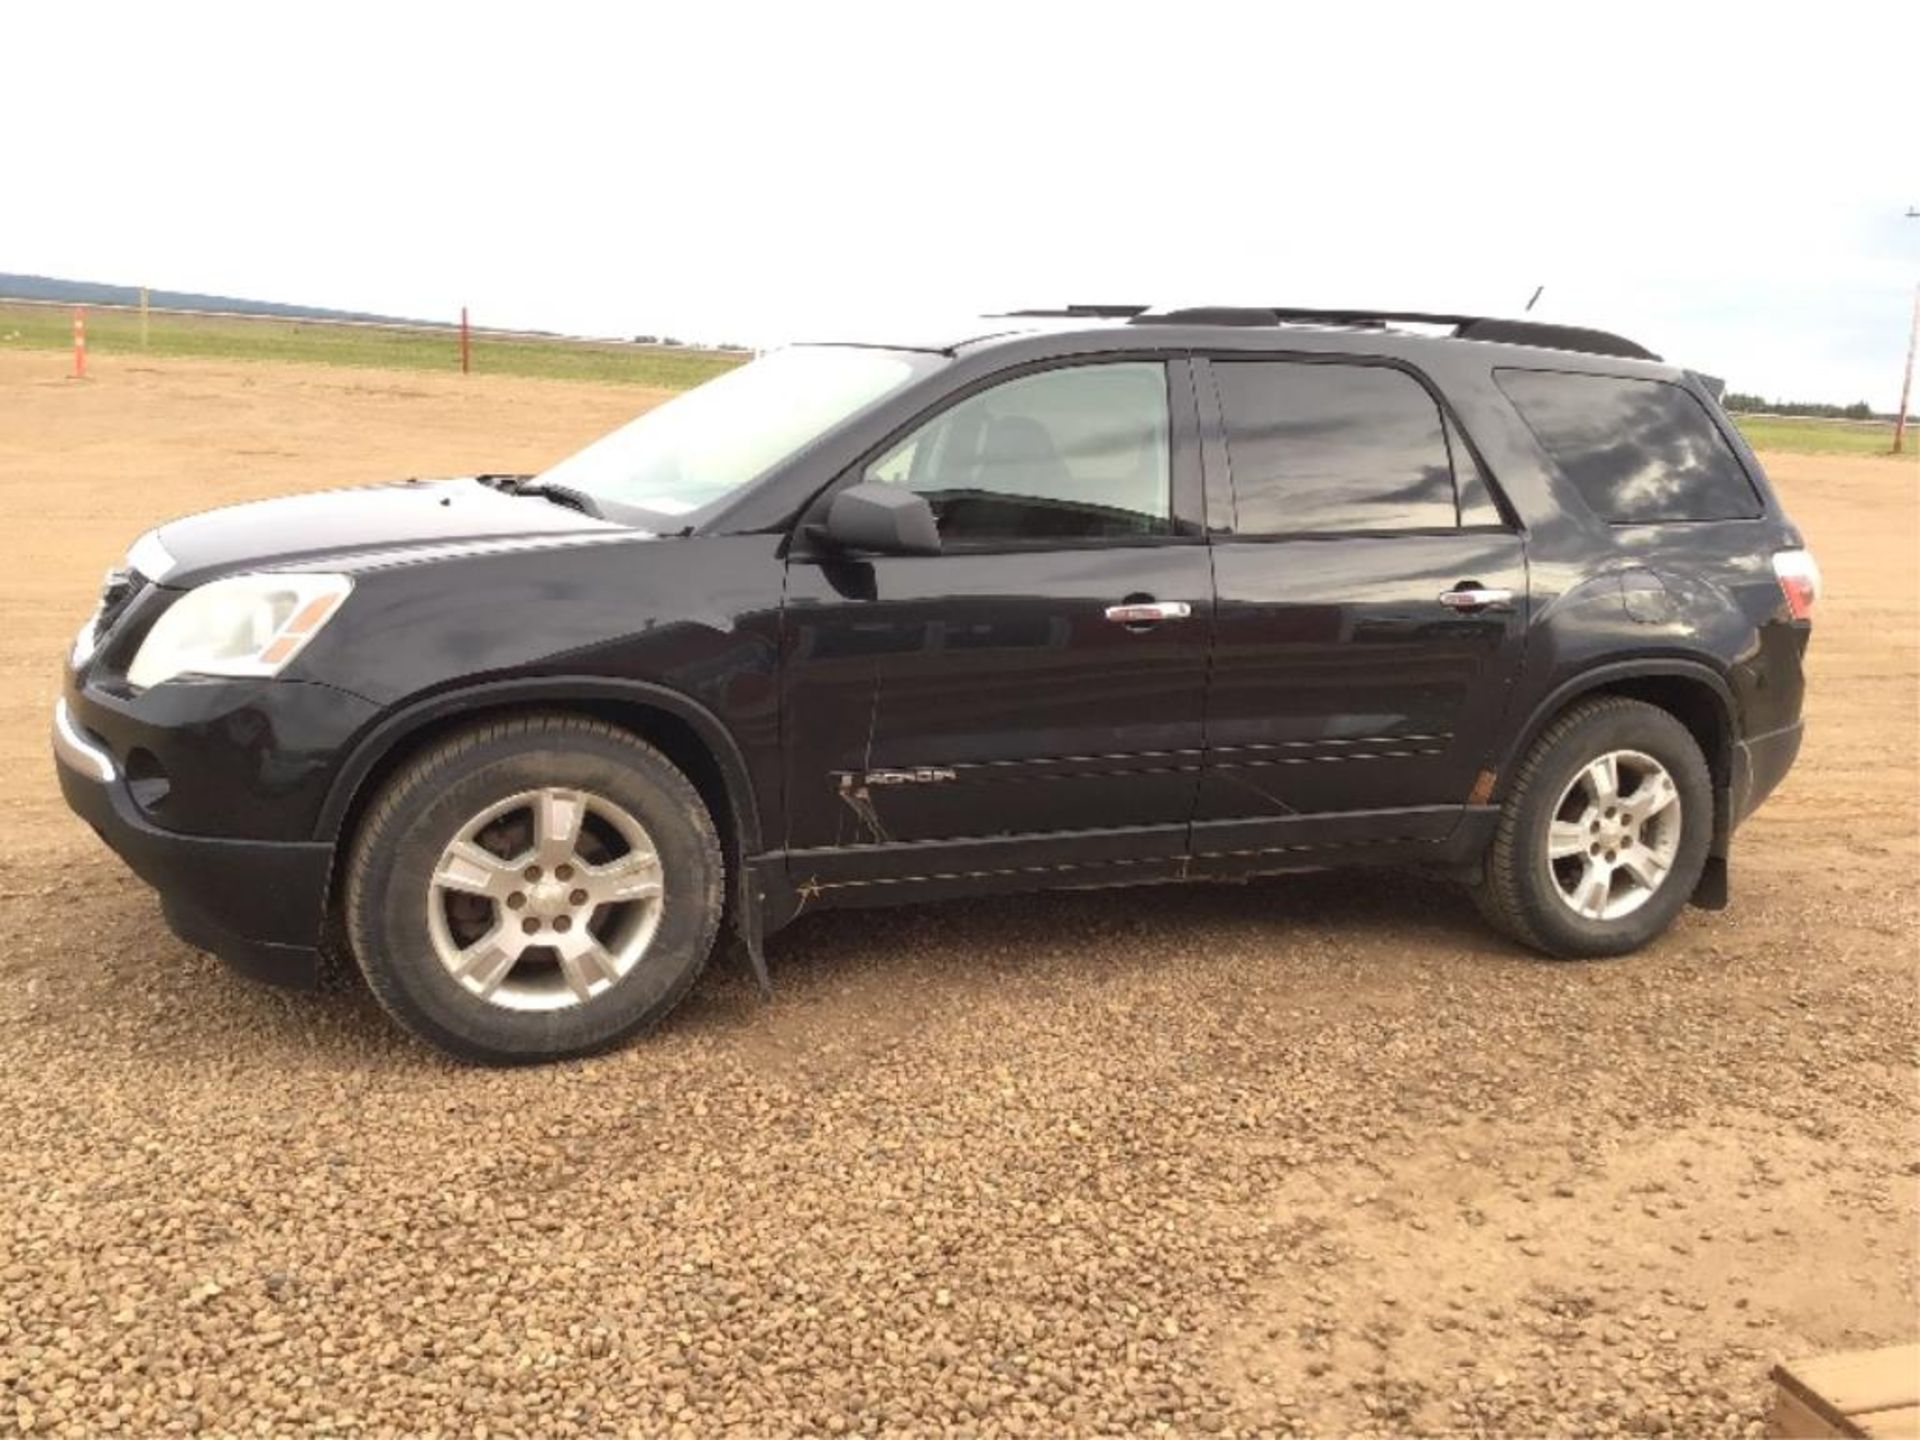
[[1465, 327], [1081, 312]]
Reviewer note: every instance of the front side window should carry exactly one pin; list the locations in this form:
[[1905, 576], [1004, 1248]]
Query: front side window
[[1073, 454], [1329, 448], [1638, 451]]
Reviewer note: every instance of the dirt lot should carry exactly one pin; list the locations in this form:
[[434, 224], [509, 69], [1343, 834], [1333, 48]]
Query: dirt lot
[[1311, 1154]]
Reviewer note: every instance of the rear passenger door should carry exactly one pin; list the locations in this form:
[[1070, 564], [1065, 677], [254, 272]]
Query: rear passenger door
[[1370, 610]]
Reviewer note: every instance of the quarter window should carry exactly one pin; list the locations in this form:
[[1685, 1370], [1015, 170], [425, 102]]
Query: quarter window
[[1073, 454], [1318, 448], [1638, 451]]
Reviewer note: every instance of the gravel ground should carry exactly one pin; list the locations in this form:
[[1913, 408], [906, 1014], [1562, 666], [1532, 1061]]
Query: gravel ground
[[1308, 1155]]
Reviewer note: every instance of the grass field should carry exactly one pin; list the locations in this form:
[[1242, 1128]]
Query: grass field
[[117, 332], [1822, 437]]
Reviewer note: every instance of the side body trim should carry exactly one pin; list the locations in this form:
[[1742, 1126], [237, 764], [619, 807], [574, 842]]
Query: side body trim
[[862, 875]]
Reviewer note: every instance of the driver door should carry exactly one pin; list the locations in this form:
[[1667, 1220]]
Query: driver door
[[995, 715]]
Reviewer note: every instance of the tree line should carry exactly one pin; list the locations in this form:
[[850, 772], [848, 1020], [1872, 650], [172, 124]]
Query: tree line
[[1754, 405]]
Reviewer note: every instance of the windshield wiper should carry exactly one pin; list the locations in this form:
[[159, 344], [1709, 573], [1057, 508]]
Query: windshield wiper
[[559, 494], [564, 495]]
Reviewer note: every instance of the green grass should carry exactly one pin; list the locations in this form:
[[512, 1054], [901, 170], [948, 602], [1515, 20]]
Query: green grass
[[1823, 437], [117, 332]]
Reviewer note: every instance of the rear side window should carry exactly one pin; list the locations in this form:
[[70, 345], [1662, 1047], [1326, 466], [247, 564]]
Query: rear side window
[[1639, 452], [1318, 448]]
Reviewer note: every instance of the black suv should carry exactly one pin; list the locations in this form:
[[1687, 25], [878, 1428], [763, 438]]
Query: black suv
[[1069, 598]]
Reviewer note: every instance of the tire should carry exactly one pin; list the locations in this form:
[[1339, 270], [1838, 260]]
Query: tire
[[473, 945], [1559, 904]]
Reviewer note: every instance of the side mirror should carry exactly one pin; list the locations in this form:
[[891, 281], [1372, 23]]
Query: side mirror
[[881, 518]]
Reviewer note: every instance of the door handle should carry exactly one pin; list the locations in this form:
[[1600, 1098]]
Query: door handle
[[1475, 597], [1149, 612]]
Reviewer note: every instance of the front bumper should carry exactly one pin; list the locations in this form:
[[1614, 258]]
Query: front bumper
[[257, 904]]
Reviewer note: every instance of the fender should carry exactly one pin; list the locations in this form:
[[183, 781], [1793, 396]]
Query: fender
[[1602, 675], [395, 726]]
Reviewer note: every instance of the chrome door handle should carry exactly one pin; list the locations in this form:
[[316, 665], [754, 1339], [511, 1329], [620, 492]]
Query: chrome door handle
[[1150, 612], [1474, 598]]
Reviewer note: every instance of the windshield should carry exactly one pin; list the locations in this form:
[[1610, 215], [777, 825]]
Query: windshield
[[698, 447]]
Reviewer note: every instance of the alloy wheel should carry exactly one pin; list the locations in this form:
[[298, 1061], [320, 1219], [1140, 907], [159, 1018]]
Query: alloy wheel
[[1614, 835], [545, 899]]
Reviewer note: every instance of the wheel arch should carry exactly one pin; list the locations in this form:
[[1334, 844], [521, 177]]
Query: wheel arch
[[682, 729], [1691, 691], [1696, 695]]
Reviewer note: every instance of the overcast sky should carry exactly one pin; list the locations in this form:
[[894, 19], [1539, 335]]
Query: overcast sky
[[1726, 187]]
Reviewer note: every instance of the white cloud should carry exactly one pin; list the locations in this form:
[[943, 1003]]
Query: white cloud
[[1725, 184]]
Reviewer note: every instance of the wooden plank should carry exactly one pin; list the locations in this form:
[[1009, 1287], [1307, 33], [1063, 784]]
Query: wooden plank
[[1795, 1419], [1863, 1379], [1899, 1424]]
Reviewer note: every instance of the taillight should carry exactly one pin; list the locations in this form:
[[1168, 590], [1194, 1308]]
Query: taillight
[[1799, 580]]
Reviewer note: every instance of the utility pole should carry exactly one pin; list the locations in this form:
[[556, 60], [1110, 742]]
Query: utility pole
[[1906, 383]]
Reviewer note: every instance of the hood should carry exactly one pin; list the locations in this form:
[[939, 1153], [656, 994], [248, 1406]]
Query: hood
[[350, 529]]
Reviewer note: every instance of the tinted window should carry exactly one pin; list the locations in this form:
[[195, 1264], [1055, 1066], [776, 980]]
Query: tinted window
[[1471, 488], [1637, 450], [1333, 447], [1073, 454]]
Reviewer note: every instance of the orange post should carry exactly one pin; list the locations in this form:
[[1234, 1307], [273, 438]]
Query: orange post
[[79, 342], [466, 344]]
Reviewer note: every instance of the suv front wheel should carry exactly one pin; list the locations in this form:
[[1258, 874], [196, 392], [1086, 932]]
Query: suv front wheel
[[1605, 833], [533, 889]]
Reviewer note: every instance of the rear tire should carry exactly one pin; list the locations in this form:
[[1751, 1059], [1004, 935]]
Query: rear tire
[[534, 889], [1604, 834]]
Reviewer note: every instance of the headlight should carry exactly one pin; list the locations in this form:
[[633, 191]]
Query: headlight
[[246, 625]]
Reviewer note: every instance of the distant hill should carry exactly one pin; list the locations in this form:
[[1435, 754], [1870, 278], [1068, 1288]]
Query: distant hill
[[92, 292]]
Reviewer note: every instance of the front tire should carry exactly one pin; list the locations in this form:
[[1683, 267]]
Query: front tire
[[1604, 835], [534, 889]]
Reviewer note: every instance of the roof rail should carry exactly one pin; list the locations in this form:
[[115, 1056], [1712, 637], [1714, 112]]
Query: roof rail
[[1465, 327], [1554, 337], [1081, 312]]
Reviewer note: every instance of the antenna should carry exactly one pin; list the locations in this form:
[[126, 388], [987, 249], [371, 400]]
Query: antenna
[[1536, 296]]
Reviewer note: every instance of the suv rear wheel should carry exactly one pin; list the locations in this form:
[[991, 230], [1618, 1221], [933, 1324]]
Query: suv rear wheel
[[1605, 833], [533, 889]]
